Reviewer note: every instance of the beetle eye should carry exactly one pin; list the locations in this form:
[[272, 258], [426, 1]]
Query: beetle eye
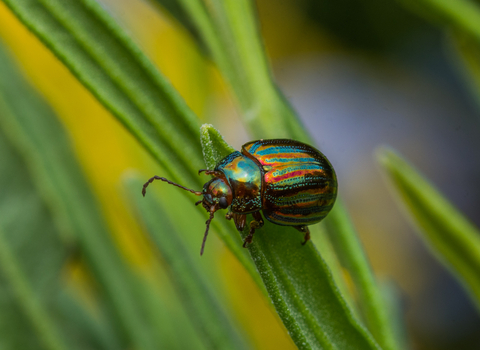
[[223, 202], [208, 197]]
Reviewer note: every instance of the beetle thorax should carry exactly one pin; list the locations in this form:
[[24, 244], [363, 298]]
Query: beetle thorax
[[217, 193]]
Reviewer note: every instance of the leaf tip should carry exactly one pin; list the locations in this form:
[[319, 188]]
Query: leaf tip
[[387, 157], [214, 146]]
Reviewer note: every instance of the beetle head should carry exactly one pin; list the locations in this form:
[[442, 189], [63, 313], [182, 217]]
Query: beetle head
[[217, 194]]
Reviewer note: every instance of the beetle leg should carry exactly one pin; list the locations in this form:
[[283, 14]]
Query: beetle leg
[[256, 223], [212, 211], [240, 221], [306, 231], [229, 215]]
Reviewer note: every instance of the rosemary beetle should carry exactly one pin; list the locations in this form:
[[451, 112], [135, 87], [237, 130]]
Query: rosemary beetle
[[291, 183]]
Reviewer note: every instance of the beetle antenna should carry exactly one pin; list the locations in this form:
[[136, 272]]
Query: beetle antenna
[[210, 172], [144, 189], [206, 232]]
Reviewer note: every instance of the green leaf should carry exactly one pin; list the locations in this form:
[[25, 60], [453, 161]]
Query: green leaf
[[198, 298], [33, 250], [320, 237], [301, 288], [83, 328], [101, 56], [25, 295], [468, 58], [107, 62], [32, 257], [28, 276], [463, 15], [372, 303], [228, 29], [452, 238], [33, 129], [461, 18], [174, 327], [98, 52], [245, 42], [213, 145], [178, 12]]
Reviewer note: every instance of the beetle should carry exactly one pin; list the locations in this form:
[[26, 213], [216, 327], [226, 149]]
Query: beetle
[[292, 183]]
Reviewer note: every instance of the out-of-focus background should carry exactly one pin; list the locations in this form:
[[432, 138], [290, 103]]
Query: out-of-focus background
[[361, 75]]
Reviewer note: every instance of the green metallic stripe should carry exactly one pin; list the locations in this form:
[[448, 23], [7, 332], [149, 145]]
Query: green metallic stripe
[[283, 159], [287, 152], [253, 146], [300, 197], [227, 160], [280, 219], [306, 211], [288, 149], [305, 199], [286, 187], [286, 169]]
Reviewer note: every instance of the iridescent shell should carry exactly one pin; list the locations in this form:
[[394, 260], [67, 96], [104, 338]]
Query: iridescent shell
[[299, 184], [291, 183]]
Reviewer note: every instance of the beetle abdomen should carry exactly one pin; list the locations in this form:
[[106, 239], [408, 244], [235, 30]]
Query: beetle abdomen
[[300, 185]]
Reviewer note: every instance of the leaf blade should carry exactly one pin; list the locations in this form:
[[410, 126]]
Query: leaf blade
[[463, 15], [351, 254], [34, 310], [104, 59], [199, 300], [291, 272], [34, 130], [453, 239], [119, 75]]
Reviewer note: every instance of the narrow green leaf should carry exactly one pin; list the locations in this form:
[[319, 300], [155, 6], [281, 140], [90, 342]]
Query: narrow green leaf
[[34, 130], [461, 19], [103, 58], [178, 12], [461, 15], [301, 288], [84, 329], [229, 29], [352, 256], [320, 237], [453, 239], [31, 295], [31, 259], [199, 300], [396, 312], [246, 39], [98, 52], [213, 145], [174, 328], [468, 58], [265, 105], [27, 299]]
